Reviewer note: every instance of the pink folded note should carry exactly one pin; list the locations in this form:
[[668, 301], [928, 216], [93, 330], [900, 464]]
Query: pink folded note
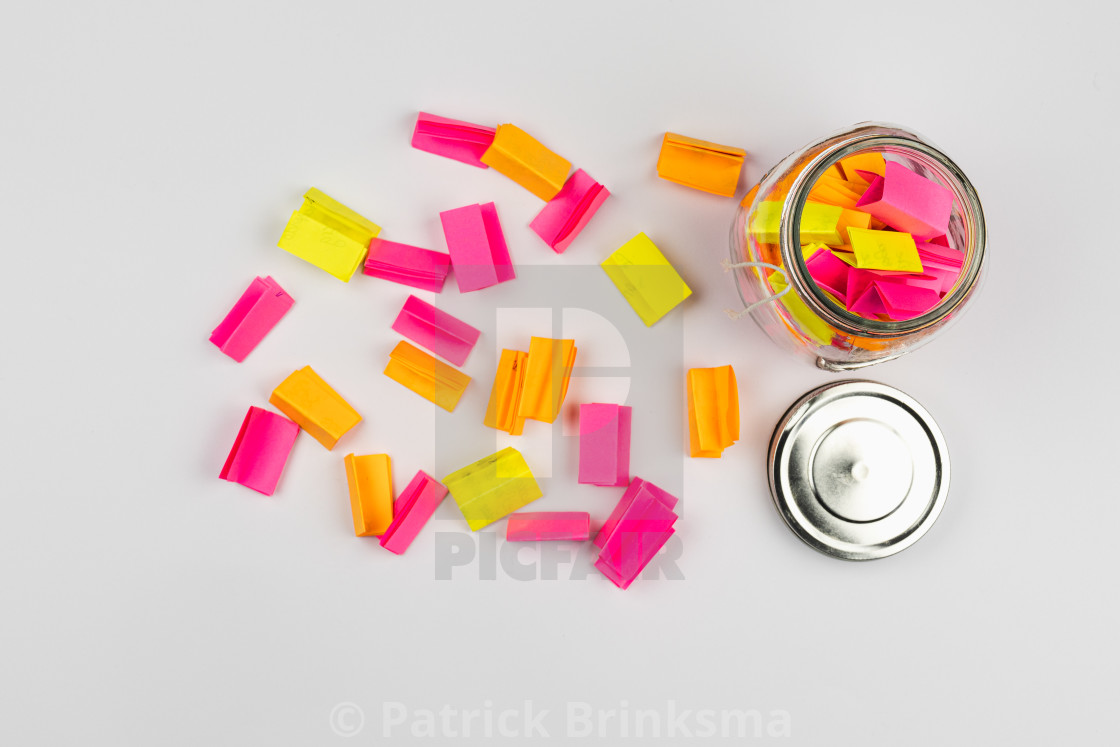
[[604, 444], [260, 451], [258, 310], [637, 528], [411, 511], [452, 138], [407, 265], [906, 301], [869, 303], [436, 330], [908, 202], [537, 526], [941, 253], [830, 273], [478, 248], [565, 215]]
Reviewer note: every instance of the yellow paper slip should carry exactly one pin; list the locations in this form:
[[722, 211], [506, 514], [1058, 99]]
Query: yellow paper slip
[[819, 222], [329, 235], [710, 167], [885, 250], [505, 396], [432, 379], [493, 487], [308, 400], [370, 479], [646, 279], [522, 158], [713, 410], [548, 369]]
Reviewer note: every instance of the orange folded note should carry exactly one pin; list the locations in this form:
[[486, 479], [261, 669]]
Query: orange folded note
[[521, 157], [870, 161], [314, 406], [432, 379], [505, 396], [370, 479], [699, 164], [713, 410], [548, 369]]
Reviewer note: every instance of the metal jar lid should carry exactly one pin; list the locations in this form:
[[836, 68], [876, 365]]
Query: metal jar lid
[[858, 470]]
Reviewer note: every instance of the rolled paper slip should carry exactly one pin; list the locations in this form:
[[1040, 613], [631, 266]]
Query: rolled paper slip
[[258, 310], [710, 167], [908, 202], [452, 138], [436, 330], [260, 450], [541, 526], [604, 444], [492, 488], [370, 479], [329, 235], [407, 265], [645, 278], [477, 246], [638, 528], [819, 223], [314, 406], [548, 369], [885, 250], [713, 410], [522, 158], [565, 215], [505, 395], [432, 379], [411, 511]]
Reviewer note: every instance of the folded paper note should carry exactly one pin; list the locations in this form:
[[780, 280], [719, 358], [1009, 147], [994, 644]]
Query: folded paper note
[[329, 235], [604, 444], [905, 301], [260, 450], [829, 272], [851, 219], [477, 245], [411, 511], [565, 215], [646, 279], [833, 191], [505, 395], [436, 330], [713, 410], [258, 310], [307, 399], [538, 526], [871, 163], [885, 250], [407, 265], [909, 202], [432, 379], [452, 138], [639, 526], [819, 223], [518, 155], [699, 164], [548, 369], [370, 478], [493, 487]]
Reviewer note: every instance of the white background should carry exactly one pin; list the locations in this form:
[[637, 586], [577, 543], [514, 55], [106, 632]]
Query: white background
[[149, 158]]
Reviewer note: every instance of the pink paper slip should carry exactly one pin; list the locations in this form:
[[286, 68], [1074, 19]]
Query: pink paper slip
[[908, 202], [941, 253], [260, 451], [565, 215], [639, 491], [538, 526], [604, 444], [452, 138], [411, 511], [407, 265], [258, 310], [906, 301], [436, 330], [829, 272], [640, 525], [869, 303], [477, 246]]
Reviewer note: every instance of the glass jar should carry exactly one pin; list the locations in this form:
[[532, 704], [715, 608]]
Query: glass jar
[[778, 289]]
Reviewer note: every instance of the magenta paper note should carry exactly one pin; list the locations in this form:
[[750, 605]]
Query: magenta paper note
[[436, 330], [906, 301], [540, 526], [258, 310], [638, 527], [452, 138], [411, 511], [565, 215], [477, 246], [604, 444], [829, 272], [941, 253], [260, 451], [407, 265], [908, 202]]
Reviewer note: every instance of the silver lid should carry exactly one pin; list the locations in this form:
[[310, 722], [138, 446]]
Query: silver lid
[[858, 470]]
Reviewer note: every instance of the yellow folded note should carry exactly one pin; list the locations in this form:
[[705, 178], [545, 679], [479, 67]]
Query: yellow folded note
[[329, 235], [885, 250], [521, 157], [308, 400], [646, 279], [432, 379], [505, 396], [713, 410], [370, 479], [492, 487], [818, 223], [710, 167], [548, 369]]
